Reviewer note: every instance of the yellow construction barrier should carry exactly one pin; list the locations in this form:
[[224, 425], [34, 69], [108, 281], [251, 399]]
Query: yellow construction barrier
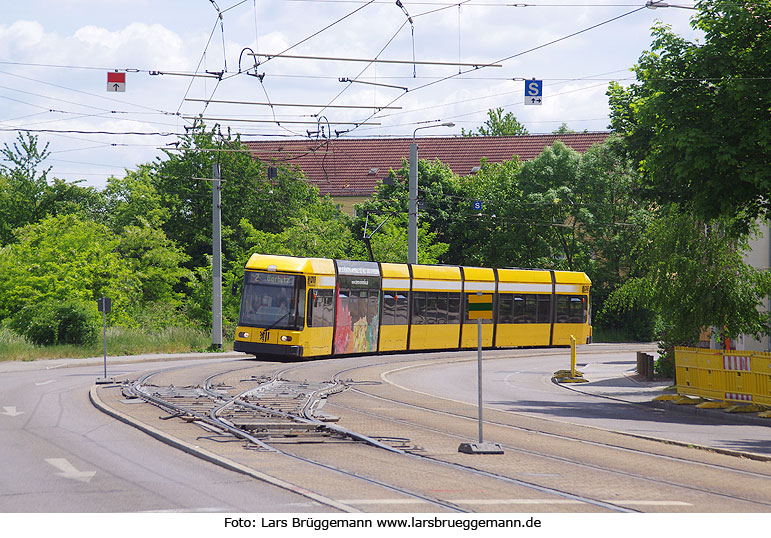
[[731, 376]]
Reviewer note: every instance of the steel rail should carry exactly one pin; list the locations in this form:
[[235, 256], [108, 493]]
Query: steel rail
[[558, 436]]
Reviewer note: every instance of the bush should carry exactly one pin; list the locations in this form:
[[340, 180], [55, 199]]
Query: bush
[[634, 324], [58, 322], [665, 366]]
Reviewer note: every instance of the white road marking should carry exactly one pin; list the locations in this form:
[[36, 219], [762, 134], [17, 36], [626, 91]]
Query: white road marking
[[11, 412], [68, 470]]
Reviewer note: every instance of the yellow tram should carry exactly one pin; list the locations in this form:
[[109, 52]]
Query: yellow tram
[[297, 308]]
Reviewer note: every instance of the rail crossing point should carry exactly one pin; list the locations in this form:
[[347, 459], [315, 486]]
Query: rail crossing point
[[480, 306], [116, 82], [105, 305], [534, 92]]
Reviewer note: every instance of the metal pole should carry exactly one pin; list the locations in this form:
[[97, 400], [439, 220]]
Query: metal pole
[[479, 375], [216, 329], [412, 231]]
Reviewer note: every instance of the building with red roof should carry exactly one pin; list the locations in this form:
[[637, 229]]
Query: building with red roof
[[349, 169]]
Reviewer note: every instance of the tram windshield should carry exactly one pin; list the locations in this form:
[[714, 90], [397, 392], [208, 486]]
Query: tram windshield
[[273, 300]]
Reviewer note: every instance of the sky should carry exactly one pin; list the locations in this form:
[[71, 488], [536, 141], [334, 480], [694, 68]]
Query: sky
[[446, 62]]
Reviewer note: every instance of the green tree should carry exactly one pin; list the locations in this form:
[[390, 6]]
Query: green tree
[[558, 205], [65, 258], [182, 182], [22, 184], [563, 129], [697, 120], [157, 262], [389, 243], [26, 196], [693, 275], [133, 200], [439, 196], [495, 235], [498, 124]]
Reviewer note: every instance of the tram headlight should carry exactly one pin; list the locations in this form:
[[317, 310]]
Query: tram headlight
[[286, 338], [243, 335]]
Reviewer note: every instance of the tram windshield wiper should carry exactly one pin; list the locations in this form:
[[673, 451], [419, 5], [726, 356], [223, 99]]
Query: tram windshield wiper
[[272, 325]]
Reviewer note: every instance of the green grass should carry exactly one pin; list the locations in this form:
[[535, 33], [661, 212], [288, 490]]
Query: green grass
[[120, 341]]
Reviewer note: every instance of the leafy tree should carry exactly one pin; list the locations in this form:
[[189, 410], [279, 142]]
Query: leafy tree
[[563, 129], [614, 219], [181, 182], [439, 196], [65, 258], [498, 124], [557, 204], [25, 158], [26, 195], [693, 275], [697, 120], [70, 321], [496, 235], [157, 262], [389, 243], [62, 197], [22, 184], [134, 200]]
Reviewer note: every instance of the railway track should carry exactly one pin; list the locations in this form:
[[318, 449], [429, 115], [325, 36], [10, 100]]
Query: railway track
[[274, 412], [396, 452]]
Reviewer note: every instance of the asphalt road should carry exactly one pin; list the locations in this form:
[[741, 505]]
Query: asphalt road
[[60, 454]]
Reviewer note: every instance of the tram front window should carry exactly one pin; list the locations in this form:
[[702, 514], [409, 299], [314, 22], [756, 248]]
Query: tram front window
[[273, 300]]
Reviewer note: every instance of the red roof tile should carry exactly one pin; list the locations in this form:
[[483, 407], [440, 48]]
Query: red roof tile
[[354, 166]]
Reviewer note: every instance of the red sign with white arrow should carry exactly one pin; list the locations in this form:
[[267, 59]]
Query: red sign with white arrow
[[116, 82]]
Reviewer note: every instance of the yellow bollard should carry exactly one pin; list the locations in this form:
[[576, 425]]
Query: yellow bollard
[[572, 375], [572, 356]]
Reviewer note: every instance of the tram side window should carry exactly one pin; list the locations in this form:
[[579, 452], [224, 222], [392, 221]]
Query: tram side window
[[453, 308], [419, 308], [435, 308], [518, 309], [442, 301], [388, 314], [505, 308], [401, 307], [571, 309], [531, 309], [544, 308], [320, 310], [577, 310], [395, 308]]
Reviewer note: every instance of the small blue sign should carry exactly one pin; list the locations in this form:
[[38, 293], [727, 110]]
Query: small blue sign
[[533, 92], [477, 205]]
